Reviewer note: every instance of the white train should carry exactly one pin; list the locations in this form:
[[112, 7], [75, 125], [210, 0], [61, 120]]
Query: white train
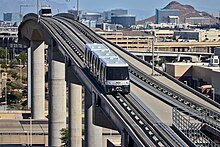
[[107, 68], [45, 11]]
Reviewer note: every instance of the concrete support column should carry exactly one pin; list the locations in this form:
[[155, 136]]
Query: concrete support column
[[126, 140], [57, 96], [29, 78], [38, 80], [93, 134], [74, 110]]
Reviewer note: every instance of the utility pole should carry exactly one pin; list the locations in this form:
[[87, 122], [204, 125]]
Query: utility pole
[[77, 7], [24, 5], [153, 57]]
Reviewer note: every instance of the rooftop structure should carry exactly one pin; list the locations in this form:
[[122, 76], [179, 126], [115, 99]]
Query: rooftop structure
[[162, 15], [198, 20]]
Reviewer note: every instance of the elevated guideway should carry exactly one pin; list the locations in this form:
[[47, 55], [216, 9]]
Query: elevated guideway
[[182, 101], [129, 121], [126, 113]]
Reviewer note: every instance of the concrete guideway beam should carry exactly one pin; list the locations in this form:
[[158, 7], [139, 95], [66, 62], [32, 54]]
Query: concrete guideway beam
[[57, 96], [38, 80], [74, 110], [93, 134]]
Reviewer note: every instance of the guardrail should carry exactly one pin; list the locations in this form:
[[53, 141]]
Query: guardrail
[[191, 130]]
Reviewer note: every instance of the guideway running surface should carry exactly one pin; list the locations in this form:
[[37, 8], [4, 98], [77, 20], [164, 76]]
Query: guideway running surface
[[163, 79]]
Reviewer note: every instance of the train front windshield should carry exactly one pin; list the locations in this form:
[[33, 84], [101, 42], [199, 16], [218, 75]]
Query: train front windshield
[[46, 11], [117, 73]]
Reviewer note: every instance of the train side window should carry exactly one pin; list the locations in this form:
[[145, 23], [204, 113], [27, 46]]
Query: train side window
[[98, 61], [91, 61], [96, 65], [101, 73], [86, 56]]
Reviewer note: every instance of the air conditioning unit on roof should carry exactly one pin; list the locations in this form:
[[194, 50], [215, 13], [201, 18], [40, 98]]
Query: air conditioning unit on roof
[[214, 61]]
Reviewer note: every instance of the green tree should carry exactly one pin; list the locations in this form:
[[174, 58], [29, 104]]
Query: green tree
[[23, 57], [64, 137], [4, 65], [161, 61], [2, 53], [15, 75]]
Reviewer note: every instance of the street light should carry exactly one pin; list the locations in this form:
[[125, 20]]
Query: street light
[[24, 5], [213, 94], [20, 71], [77, 6], [6, 93], [153, 56]]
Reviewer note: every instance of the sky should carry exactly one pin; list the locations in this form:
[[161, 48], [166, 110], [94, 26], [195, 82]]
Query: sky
[[141, 8], [146, 6]]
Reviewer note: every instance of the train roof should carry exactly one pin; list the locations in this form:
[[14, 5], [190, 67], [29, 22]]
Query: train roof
[[105, 54], [114, 62], [95, 46]]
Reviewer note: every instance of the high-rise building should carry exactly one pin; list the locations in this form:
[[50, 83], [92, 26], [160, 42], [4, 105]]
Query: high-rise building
[[11, 17], [108, 14], [163, 15], [124, 20]]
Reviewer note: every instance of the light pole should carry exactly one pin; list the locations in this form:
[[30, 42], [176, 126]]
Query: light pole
[[6, 93], [24, 5], [213, 94], [153, 57], [77, 7], [20, 71]]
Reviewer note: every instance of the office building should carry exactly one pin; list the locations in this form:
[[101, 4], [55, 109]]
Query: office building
[[129, 40], [108, 14], [124, 20], [11, 17], [198, 20], [164, 15], [211, 35]]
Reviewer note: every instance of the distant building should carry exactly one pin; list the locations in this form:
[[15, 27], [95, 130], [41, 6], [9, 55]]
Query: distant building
[[74, 12], [163, 15], [198, 20], [89, 23], [199, 76], [124, 20], [173, 19], [108, 14], [198, 35], [11, 17], [129, 40], [91, 16]]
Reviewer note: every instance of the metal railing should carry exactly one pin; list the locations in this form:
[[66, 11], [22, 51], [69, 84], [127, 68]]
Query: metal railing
[[191, 130]]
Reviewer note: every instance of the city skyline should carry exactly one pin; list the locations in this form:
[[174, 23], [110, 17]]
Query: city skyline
[[142, 9]]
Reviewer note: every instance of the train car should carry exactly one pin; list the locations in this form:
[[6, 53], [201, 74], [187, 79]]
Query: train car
[[45, 11], [96, 55], [89, 49], [108, 69]]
